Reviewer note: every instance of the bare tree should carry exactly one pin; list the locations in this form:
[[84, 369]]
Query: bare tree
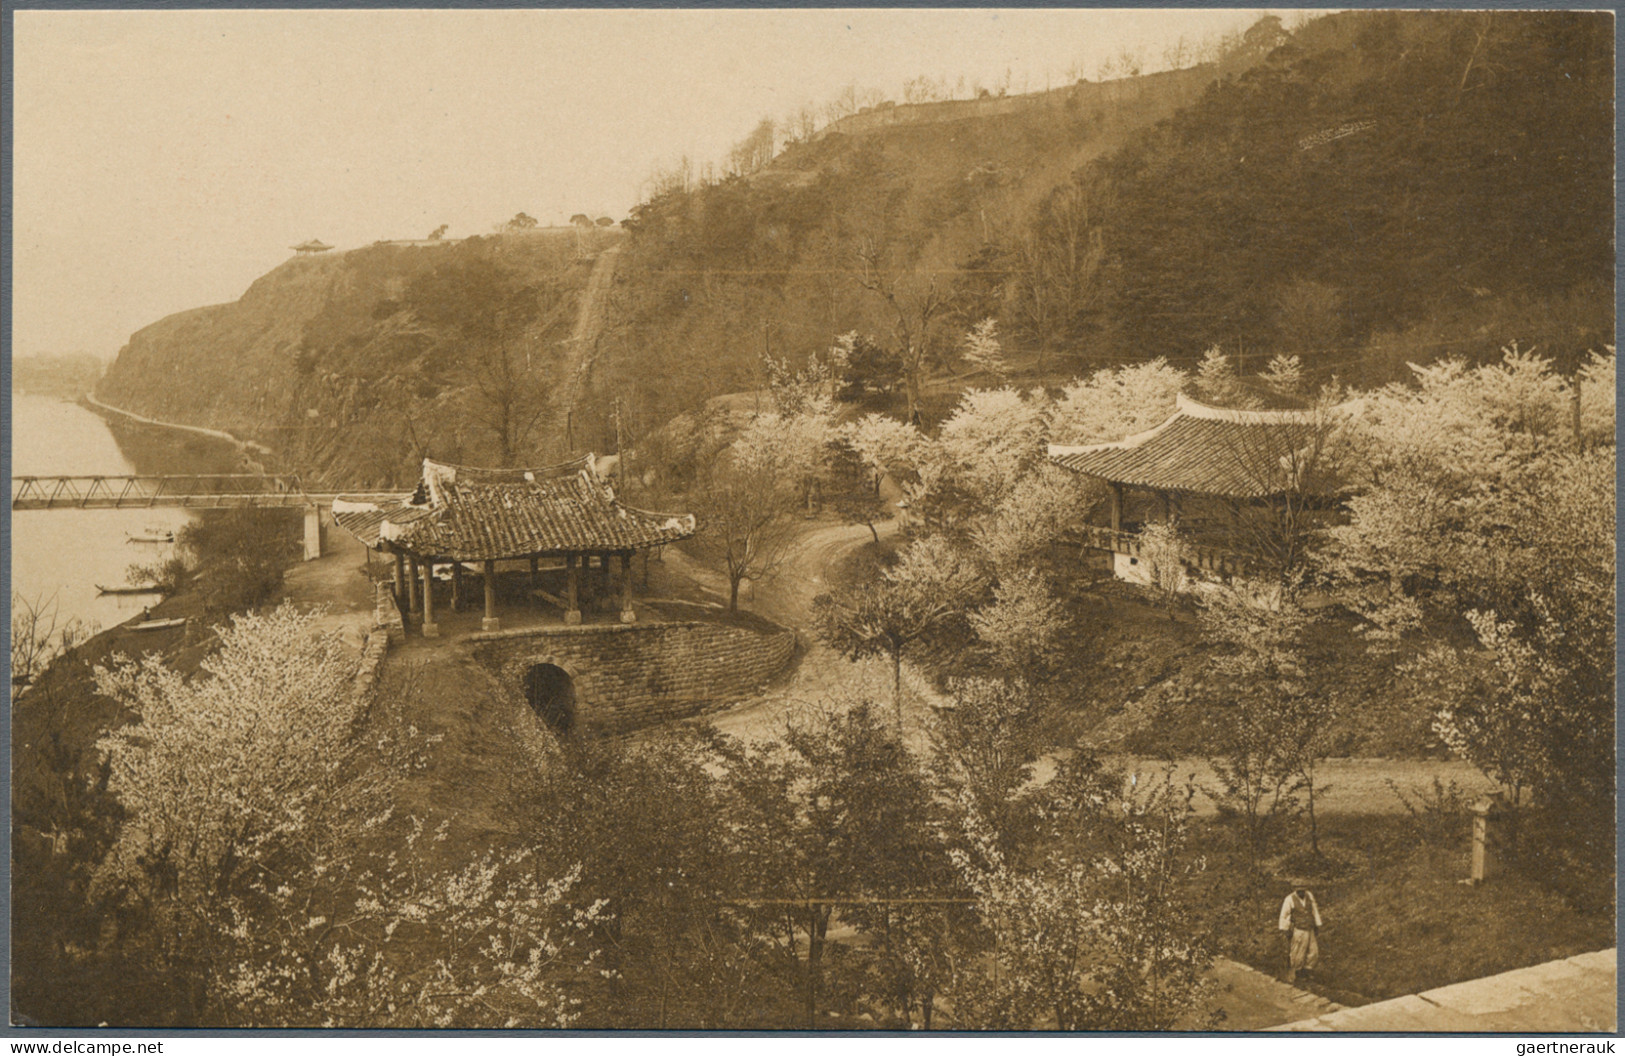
[[1056, 264], [39, 635], [753, 153], [748, 522], [914, 305]]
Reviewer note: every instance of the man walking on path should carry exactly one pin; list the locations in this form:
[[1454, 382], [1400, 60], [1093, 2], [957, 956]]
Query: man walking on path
[[1300, 921]]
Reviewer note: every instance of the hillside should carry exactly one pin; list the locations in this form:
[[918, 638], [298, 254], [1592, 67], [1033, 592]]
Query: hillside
[[1377, 188], [352, 366]]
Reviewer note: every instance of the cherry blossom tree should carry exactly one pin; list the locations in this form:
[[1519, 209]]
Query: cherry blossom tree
[[1100, 939], [983, 352], [241, 870], [1039, 511], [1112, 404], [993, 439], [931, 581], [1023, 625], [1480, 507]]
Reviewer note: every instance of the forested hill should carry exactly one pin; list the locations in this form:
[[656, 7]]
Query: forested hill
[[1381, 187], [1386, 180], [1370, 189]]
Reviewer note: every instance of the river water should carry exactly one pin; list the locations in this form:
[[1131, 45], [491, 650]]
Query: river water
[[59, 556]]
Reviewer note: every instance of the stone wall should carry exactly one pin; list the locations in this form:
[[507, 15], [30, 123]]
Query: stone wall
[[1175, 84], [631, 676]]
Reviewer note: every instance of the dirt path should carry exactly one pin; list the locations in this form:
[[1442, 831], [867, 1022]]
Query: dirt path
[[822, 678], [338, 582], [1351, 786], [583, 340]]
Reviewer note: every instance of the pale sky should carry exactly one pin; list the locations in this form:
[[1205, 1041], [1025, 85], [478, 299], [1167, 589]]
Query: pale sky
[[163, 160]]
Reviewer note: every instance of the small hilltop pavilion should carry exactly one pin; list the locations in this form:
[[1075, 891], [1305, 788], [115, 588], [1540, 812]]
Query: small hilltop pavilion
[[461, 516], [314, 245], [1213, 470]]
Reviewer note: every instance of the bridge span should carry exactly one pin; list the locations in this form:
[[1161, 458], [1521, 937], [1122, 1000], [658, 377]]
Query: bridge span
[[215, 491]]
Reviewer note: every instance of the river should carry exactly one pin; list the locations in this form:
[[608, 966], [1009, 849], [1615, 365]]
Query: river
[[59, 556]]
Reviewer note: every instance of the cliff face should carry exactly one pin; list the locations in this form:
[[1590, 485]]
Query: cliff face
[[352, 366], [227, 366]]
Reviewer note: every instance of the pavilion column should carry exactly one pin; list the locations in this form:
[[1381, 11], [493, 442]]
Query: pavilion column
[[456, 586], [1117, 507], [491, 622], [606, 589], [413, 589], [627, 615], [572, 610], [430, 628], [398, 578], [533, 582]]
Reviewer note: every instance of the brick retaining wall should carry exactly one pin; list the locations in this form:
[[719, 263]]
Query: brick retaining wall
[[631, 676]]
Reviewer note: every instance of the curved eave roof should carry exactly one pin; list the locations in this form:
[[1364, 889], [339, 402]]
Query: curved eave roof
[[1199, 450], [476, 514]]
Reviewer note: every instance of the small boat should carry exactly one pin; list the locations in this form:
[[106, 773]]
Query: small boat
[[158, 625], [151, 535], [143, 588]]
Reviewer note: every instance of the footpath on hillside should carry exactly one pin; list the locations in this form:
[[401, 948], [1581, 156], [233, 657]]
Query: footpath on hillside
[[822, 678]]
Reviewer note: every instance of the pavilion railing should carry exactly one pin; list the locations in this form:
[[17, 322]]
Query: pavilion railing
[[1207, 558]]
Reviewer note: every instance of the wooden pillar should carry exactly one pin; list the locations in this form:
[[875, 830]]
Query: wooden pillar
[[491, 622], [627, 615], [430, 628], [1117, 507], [414, 590], [1162, 497], [607, 589], [456, 586], [398, 578], [572, 610]]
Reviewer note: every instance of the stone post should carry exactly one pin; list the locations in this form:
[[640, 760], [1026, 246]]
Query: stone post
[[491, 622], [572, 610], [430, 628], [1490, 817], [627, 615], [313, 532]]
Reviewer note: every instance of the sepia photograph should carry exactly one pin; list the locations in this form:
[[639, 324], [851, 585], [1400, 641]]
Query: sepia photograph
[[866, 520]]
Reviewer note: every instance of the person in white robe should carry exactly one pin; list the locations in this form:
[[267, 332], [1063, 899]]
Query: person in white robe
[[1300, 922]]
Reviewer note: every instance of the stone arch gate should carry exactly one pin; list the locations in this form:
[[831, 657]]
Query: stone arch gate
[[552, 689]]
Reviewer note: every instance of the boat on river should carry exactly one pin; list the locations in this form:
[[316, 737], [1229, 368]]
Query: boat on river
[[151, 535], [140, 588], [158, 625]]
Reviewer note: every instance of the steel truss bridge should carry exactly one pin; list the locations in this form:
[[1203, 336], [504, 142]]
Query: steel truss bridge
[[200, 492], [218, 491]]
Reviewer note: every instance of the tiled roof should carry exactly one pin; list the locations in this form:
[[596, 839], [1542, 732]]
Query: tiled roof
[[476, 514], [1202, 450]]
